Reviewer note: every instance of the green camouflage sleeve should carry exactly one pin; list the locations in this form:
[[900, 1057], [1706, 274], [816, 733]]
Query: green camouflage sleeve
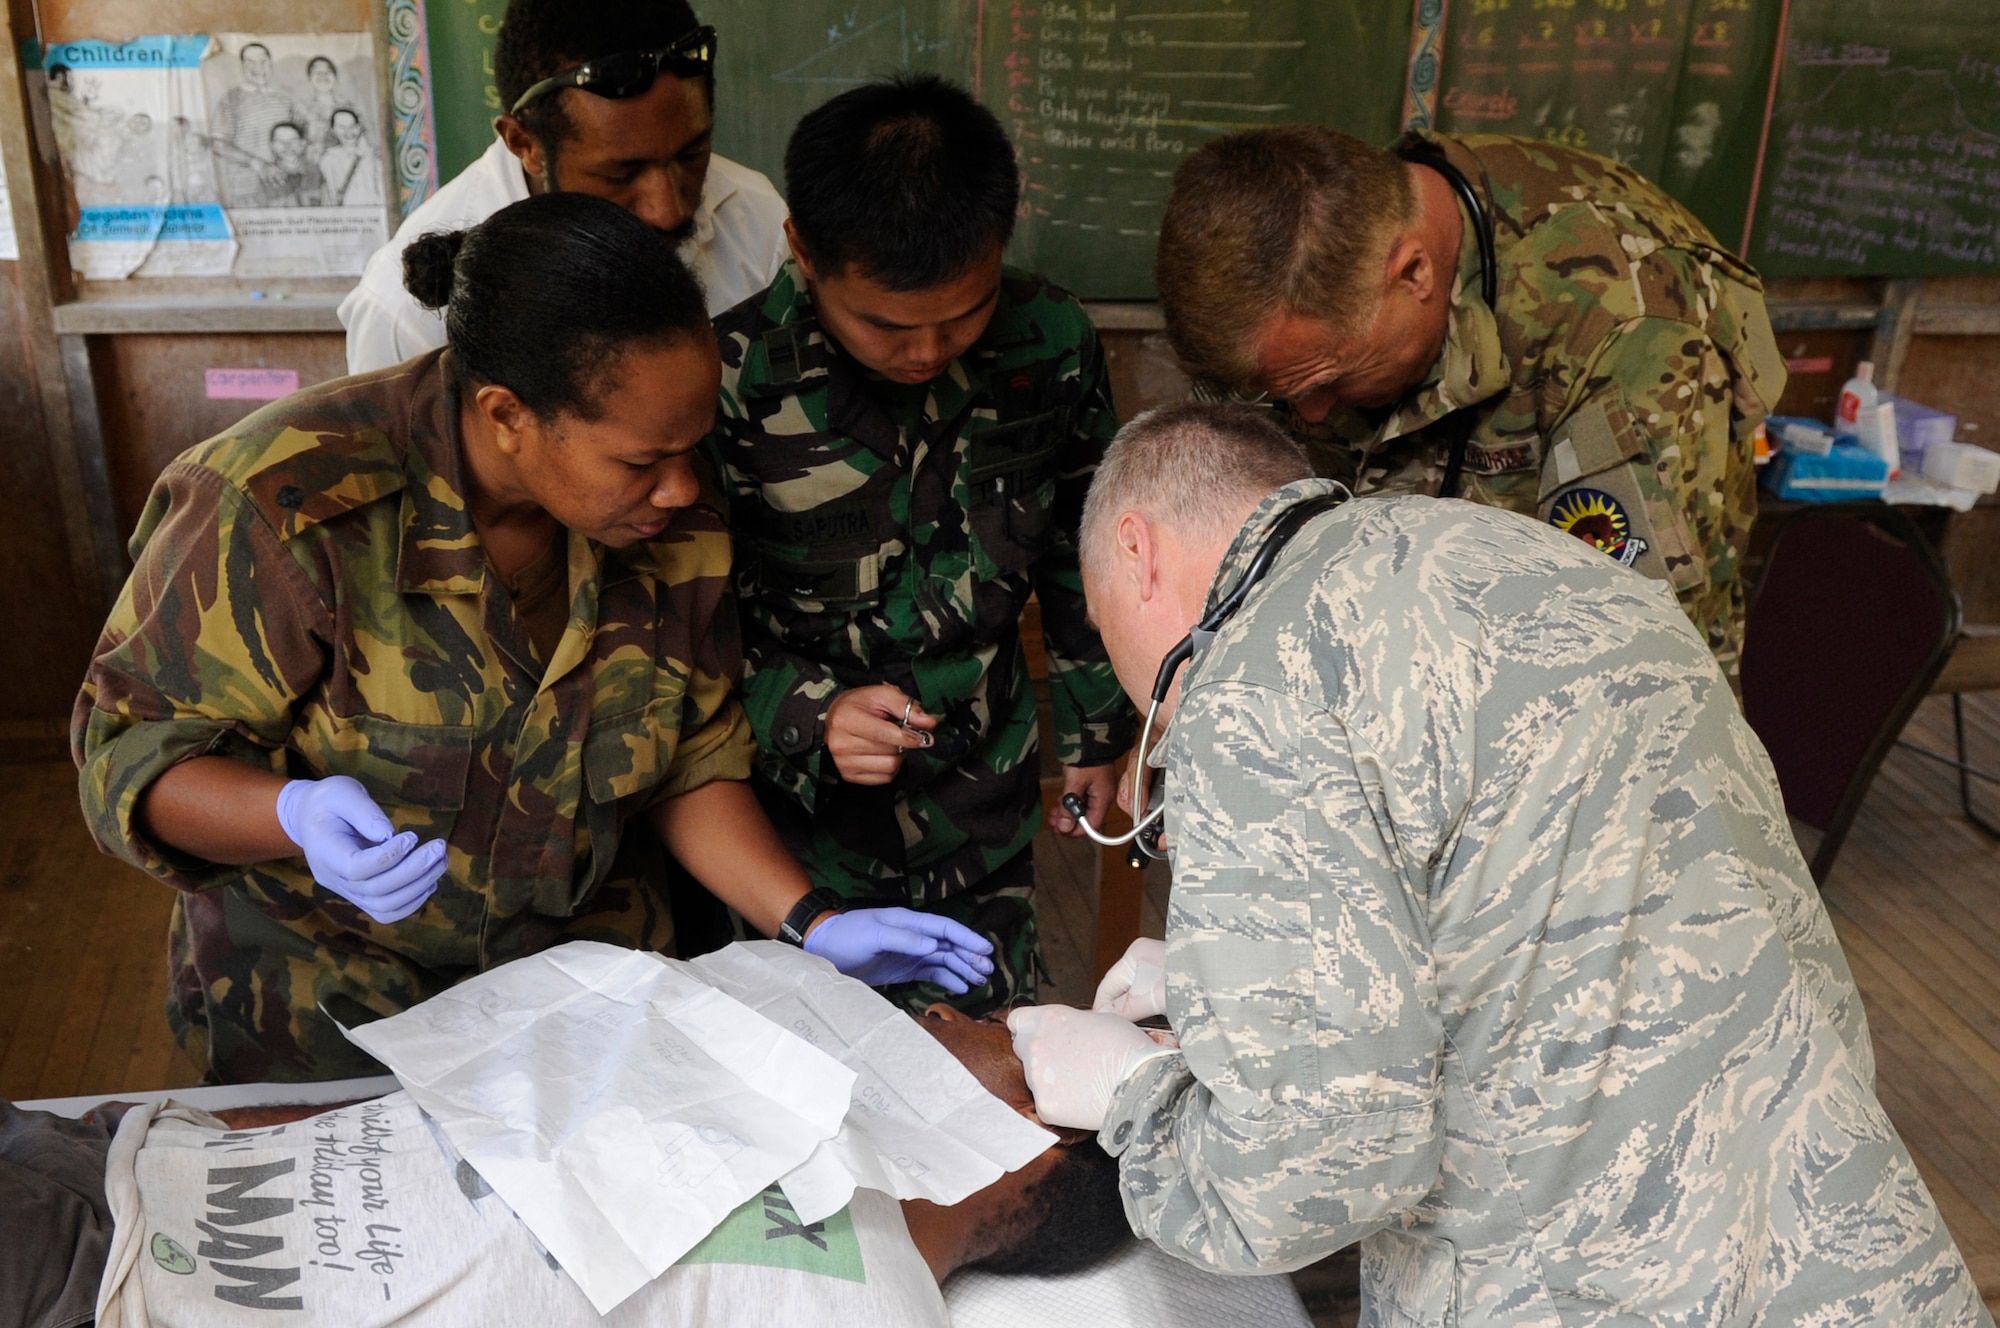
[[1303, 1112], [209, 646], [1661, 393], [723, 748], [1094, 722], [716, 741]]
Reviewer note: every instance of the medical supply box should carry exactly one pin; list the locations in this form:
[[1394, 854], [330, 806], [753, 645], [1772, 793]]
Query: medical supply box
[[1847, 472], [1918, 428], [1963, 466]]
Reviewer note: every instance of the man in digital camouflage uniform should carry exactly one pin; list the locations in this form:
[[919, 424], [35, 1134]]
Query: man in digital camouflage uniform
[[1612, 386], [1489, 946], [907, 432]]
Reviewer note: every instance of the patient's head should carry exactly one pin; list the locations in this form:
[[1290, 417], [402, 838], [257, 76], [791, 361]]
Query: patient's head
[[1060, 1213]]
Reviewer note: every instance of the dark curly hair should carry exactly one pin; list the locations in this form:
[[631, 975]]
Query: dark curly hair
[[1070, 1219], [539, 38]]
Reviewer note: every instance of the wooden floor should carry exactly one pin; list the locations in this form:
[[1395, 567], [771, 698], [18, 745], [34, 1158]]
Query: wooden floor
[[1915, 897], [83, 952]]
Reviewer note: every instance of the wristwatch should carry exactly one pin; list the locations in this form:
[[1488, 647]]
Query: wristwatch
[[792, 931]]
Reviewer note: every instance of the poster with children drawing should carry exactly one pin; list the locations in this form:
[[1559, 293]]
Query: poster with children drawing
[[234, 154], [295, 133], [128, 121]]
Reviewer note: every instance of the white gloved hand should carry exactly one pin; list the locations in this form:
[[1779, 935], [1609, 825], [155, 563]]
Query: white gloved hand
[[1075, 1060], [1135, 988]]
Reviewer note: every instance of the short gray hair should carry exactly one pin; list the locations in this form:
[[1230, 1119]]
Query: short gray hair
[[1191, 466]]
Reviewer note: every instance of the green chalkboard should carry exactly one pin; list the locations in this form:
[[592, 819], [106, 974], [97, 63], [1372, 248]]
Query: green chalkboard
[[463, 98], [1884, 150], [1676, 89], [1102, 97], [1881, 153]]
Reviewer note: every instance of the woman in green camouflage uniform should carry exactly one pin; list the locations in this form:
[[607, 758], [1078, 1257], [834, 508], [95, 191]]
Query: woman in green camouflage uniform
[[403, 655]]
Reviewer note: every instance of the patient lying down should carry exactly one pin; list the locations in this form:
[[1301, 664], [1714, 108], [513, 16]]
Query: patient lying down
[[359, 1215]]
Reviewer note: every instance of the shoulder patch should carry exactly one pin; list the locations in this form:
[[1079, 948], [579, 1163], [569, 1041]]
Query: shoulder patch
[[1599, 520]]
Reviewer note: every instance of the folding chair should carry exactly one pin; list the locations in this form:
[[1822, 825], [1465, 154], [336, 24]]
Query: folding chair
[[1974, 667], [1852, 622]]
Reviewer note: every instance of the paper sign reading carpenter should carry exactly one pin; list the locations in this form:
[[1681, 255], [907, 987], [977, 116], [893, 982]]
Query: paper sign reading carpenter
[[251, 384]]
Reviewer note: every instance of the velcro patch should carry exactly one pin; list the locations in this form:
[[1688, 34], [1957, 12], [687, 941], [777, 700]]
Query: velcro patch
[[827, 581]]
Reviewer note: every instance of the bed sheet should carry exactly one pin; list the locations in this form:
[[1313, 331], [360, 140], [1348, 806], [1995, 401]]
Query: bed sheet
[[1141, 1286]]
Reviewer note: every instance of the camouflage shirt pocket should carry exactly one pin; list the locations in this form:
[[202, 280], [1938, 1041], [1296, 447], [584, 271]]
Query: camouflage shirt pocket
[[1011, 485], [401, 765], [1412, 1279], [1600, 482], [626, 756]]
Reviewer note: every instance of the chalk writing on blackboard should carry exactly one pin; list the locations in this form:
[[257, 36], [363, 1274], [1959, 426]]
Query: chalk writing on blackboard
[[1885, 167], [1675, 89], [1105, 98]]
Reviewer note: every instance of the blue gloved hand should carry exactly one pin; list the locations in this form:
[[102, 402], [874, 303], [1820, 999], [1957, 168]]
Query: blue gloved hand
[[354, 850], [884, 946]]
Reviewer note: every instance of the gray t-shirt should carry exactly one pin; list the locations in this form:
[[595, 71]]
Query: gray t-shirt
[[55, 1225]]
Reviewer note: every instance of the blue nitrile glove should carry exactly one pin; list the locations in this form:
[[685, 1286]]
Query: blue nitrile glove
[[884, 946], [354, 850]]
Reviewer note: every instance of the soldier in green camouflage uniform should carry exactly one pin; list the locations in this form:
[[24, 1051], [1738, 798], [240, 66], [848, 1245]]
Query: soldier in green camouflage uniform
[[254, 628], [890, 527], [1613, 389], [317, 596]]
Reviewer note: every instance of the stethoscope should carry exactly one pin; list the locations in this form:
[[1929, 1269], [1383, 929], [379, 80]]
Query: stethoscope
[[1423, 152], [1144, 836]]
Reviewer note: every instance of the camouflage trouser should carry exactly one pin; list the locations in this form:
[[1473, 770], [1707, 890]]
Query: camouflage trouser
[[999, 906], [1002, 909]]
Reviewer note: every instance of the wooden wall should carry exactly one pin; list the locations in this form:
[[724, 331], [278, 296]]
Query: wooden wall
[[46, 639], [151, 393]]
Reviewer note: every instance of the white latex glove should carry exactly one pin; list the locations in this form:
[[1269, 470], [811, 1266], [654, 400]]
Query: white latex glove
[[1135, 988], [1075, 1060]]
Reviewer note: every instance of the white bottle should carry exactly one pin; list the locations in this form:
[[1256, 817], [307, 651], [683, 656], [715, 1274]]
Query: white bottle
[[1858, 398]]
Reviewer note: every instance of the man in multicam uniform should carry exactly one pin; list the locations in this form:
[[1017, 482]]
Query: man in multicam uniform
[[1489, 945], [906, 436], [471, 600], [1612, 387]]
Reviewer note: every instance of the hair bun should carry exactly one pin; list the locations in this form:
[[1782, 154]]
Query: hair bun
[[427, 267]]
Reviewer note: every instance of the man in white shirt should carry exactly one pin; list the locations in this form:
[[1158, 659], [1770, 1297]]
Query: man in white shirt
[[605, 97]]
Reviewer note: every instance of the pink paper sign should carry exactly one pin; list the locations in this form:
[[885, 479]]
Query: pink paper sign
[[251, 384]]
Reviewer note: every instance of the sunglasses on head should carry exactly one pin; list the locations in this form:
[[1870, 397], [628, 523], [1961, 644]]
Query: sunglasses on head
[[629, 73]]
